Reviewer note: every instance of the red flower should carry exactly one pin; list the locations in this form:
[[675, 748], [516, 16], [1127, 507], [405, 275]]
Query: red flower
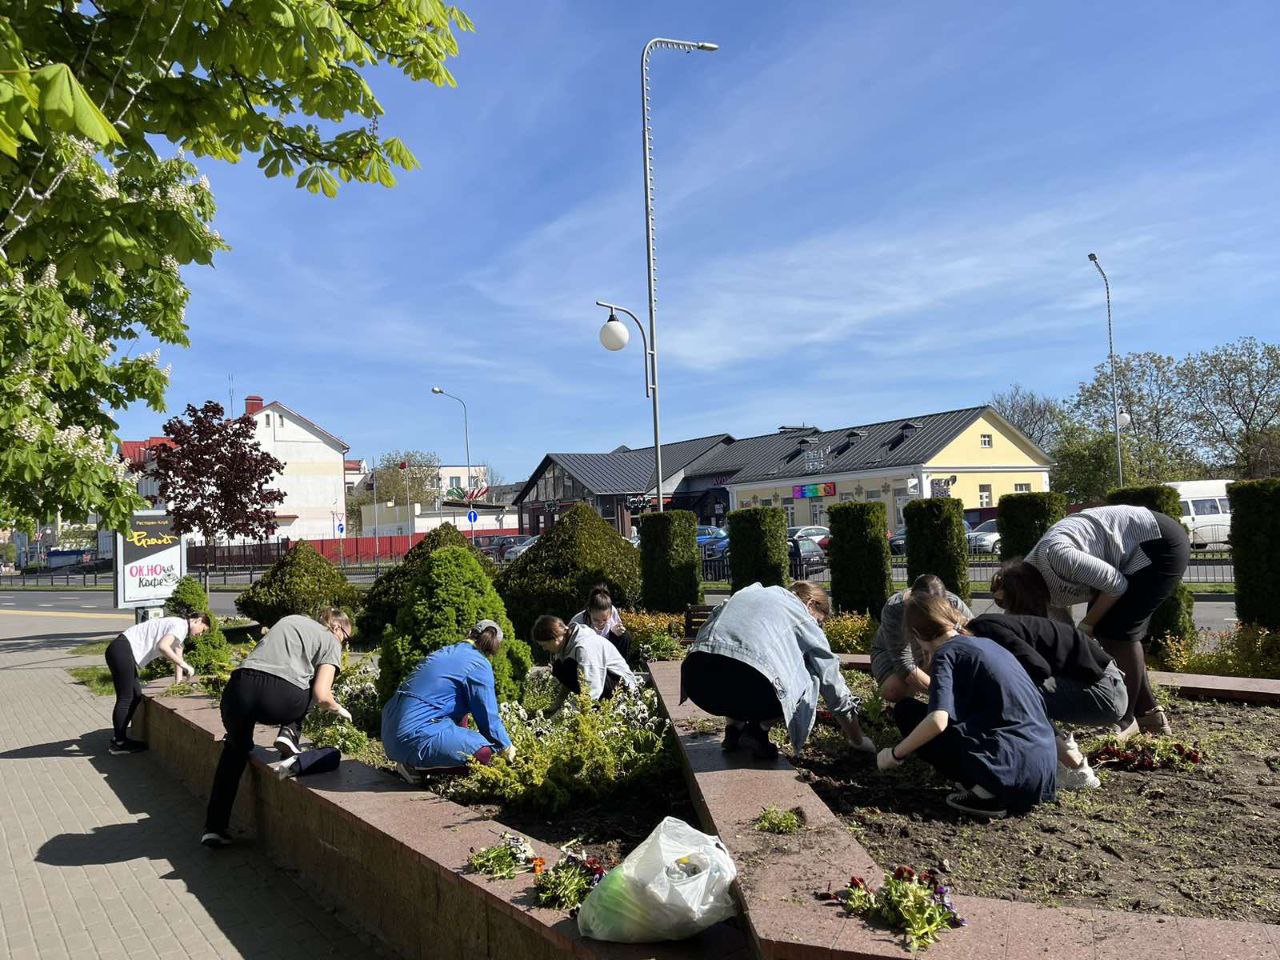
[[904, 873], [857, 883]]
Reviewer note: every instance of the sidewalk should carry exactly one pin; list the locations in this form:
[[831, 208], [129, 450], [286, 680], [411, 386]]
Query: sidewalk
[[99, 854]]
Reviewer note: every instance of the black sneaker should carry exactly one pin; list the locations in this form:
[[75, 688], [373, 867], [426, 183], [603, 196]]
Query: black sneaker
[[213, 839], [732, 736], [287, 744], [757, 738], [976, 806], [127, 745]]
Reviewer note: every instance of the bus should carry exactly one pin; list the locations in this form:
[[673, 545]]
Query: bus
[[1206, 511]]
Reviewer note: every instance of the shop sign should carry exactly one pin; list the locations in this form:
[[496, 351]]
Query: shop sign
[[805, 491], [149, 560]]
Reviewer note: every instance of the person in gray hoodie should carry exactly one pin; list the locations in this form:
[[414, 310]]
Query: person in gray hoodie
[[762, 658]]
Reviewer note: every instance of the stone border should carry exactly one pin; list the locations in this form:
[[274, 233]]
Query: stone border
[[778, 875], [390, 859]]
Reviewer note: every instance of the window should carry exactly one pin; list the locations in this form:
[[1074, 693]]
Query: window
[[873, 494], [985, 441], [1225, 504], [455, 481], [1206, 508], [1022, 488], [984, 494], [791, 513], [846, 497], [1186, 508], [266, 419], [817, 511]]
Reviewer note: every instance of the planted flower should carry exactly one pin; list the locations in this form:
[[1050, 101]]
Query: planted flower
[[512, 854], [916, 905], [566, 885], [1144, 753]]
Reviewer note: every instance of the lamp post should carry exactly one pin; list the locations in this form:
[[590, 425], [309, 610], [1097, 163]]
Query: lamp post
[[1111, 352], [466, 437]]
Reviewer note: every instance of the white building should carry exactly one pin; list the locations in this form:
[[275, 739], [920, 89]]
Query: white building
[[394, 520], [454, 477]]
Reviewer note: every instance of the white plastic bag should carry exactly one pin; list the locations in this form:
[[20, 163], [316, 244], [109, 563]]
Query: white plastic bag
[[675, 884]]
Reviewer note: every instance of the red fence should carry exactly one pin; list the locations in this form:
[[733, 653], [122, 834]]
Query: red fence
[[343, 551]]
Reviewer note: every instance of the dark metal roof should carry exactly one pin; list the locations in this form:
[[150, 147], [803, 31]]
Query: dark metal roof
[[891, 443]]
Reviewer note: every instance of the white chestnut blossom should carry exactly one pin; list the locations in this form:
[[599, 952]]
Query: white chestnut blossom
[[50, 276]]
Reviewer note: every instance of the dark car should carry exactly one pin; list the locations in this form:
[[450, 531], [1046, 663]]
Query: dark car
[[898, 542], [503, 545], [807, 557]]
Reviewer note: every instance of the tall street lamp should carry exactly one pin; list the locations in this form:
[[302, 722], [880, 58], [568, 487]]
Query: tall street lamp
[[614, 335], [1111, 351], [466, 436]]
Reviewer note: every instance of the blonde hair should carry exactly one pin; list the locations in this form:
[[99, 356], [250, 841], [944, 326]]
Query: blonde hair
[[334, 617], [810, 592], [928, 618]]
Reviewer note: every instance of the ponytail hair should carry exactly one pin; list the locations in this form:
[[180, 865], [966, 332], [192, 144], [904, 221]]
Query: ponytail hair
[[332, 616], [810, 592], [486, 641], [928, 618], [599, 600]]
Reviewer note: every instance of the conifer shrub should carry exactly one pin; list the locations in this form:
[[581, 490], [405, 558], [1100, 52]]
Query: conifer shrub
[[555, 575], [448, 595], [670, 561], [1175, 618], [861, 576], [302, 582], [936, 542], [210, 652], [1023, 518], [758, 547], [1255, 534]]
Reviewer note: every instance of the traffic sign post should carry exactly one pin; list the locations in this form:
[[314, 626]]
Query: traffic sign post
[[472, 516]]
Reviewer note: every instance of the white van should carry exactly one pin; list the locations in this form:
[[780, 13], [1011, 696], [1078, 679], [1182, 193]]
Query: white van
[[1206, 512]]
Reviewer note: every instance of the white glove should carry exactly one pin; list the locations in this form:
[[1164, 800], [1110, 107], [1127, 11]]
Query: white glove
[[343, 712], [885, 759], [510, 753], [187, 668]]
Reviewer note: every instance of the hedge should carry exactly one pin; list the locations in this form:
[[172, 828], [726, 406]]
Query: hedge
[[556, 574], [655, 636], [861, 575], [850, 632], [1023, 518], [387, 593], [448, 595], [936, 542], [301, 581], [758, 547], [208, 653], [1175, 617], [1255, 548], [670, 562]]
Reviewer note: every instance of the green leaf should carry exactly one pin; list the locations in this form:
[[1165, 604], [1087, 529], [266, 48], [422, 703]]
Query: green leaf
[[68, 109]]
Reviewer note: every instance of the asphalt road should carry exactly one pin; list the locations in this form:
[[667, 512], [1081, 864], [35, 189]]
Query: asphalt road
[[86, 601]]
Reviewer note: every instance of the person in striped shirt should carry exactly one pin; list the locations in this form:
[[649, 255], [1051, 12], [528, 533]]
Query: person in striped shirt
[[1123, 562]]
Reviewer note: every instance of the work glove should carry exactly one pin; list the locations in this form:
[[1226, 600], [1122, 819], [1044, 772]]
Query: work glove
[[510, 753], [187, 668], [885, 759], [343, 712]]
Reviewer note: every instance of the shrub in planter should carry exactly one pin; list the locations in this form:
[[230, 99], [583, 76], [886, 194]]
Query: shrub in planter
[[1175, 617], [387, 594], [1246, 650], [210, 652], [850, 632], [861, 576], [450, 592], [936, 542], [758, 547], [670, 562], [655, 636], [1255, 534], [1023, 518], [301, 581], [556, 574]]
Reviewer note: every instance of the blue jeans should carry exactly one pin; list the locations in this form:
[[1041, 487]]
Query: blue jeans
[[1086, 704]]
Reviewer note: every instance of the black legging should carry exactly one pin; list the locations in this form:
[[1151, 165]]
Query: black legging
[[947, 753], [124, 677], [250, 697], [725, 687], [1123, 629]]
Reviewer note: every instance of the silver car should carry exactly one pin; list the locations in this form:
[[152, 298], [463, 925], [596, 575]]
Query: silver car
[[518, 550], [985, 538]]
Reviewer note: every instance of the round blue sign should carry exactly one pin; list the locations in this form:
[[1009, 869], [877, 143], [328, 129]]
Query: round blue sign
[[472, 517], [342, 527]]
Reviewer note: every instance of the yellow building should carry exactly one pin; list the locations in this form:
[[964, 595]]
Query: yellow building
[[974, 455]]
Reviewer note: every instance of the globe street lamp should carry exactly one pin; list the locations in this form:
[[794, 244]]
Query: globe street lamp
[[614, 335], [466, 436], [1111, 350]]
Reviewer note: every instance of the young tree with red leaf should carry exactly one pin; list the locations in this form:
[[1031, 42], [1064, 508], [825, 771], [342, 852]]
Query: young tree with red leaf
[[216, 477]]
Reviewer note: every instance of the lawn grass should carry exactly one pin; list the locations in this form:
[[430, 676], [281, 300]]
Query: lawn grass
[[97, 679], [95, 649]]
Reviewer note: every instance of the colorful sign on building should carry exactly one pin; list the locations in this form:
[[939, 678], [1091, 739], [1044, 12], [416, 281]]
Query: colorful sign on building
[[808, 490], [149, 561]]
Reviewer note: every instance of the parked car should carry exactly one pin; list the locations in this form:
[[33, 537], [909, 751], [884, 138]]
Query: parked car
[[807, 533], [807, 557], [1206, 511], [706, 534], [985, 538], [717, 548], [502, 545], [898, 542], [517, 549]]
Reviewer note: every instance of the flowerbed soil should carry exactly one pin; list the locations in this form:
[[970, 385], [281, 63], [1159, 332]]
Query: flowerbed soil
[[1201, 842]]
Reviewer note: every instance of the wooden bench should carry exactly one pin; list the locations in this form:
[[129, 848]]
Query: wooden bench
[[695, 615]]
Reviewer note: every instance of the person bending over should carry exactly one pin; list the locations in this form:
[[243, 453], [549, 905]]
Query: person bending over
[[580, 654], [134, 649], [762, 657], [603, 617], [422, 723], [293, 666], [984, 727], [893, 661], [1123, 562]]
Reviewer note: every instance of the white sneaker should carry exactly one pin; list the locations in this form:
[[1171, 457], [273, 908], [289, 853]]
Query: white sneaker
[[1081, 778], [410, 775], [284, 769], [214, 839]]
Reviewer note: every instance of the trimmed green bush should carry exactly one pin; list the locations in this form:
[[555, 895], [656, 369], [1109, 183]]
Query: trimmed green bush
[[388, 593], [210, 652], [556, 574], [301, 581], [1255, 548], [861, 575], [670, 563], [936, 542], [758, 547], [850, 632], [448, 595], [1023, 518], [1175, 617], [655, 636]]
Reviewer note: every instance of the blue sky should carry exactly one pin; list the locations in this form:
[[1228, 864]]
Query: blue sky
[[863, 212]]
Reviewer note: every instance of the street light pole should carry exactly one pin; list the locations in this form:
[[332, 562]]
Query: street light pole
[[466, 437], [1111, 351]]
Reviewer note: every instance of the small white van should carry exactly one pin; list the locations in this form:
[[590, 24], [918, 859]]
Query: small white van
[[1206, 512]]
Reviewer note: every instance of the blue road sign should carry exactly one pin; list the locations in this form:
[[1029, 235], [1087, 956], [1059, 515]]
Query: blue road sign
[[472, 516], [342, 527]]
